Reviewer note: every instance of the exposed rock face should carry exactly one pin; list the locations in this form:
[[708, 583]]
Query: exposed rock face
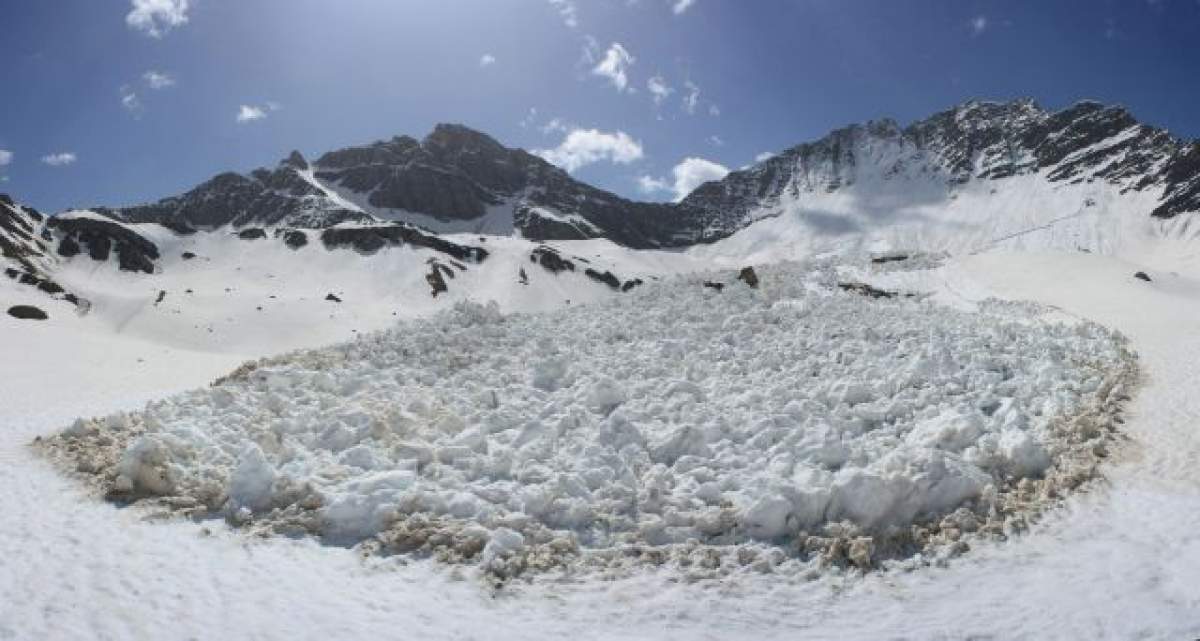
[[974, 141], [19, 238], [295, 238], [27, 312], [100, 237], [436, 277], [263, 198], [748, 276], [608, 278], [457, 176], [550, 259], [252, 233], [369, 240]]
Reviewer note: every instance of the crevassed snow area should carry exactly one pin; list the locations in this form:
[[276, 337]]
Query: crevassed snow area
[[674, 414], [1120, 561]]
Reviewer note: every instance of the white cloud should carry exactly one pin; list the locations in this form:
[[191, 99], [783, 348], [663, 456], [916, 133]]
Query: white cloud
[[158, 79], [248, 113], [567, 11], [555, 124], [681, 5], [156, 17], [60, 159], [651, 185], [583, 147], [692, 98], [714, 110], [978, 24], [693, 172], [6, 157], [764, 156], [614, 64], [487, 60], [716, 141], [688, 175], [130, 101], [659, 89]]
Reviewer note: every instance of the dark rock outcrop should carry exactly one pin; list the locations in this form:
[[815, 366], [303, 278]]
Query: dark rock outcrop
[[748, 276], [252, 233], [436, 277], [27, 312], [863, 289], [368, 240], [1142, 276], [295, 238], [134, 252], [551, 260], [608, 278]]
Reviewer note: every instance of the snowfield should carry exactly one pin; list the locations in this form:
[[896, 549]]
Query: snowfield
[[787, 428], [1118, 561]]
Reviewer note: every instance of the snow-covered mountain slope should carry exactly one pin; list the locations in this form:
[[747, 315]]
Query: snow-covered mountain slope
[[25, 251], [978, 172], [981, 175], [455, 180], [254, 292], [1087, 177]]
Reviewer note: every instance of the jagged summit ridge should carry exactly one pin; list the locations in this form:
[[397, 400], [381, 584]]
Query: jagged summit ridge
[[457, 179], [973, 141]]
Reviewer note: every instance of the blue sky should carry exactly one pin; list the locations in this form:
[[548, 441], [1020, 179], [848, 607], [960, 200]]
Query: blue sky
[[122, 101]]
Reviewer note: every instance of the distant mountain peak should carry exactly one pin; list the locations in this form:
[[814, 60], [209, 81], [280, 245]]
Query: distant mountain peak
[[458, 179]]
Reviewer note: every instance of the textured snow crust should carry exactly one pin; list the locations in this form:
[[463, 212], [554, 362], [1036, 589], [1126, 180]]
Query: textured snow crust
[[793, 423]]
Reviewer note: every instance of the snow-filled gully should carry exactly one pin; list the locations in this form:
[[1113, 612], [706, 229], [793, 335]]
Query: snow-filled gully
[[1118, 561]]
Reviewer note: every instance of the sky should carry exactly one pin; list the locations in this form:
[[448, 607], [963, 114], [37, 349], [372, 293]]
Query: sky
[[116, 102]]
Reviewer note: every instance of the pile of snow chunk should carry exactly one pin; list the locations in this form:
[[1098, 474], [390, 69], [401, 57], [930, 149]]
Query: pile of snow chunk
[[671, 416]]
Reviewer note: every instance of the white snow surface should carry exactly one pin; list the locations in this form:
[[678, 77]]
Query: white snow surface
[[1120, 561]]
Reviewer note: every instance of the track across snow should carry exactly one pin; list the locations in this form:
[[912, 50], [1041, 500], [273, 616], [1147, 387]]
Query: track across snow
[[1118, 563]]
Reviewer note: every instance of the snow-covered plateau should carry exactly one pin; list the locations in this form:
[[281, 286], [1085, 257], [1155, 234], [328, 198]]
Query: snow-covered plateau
[[792, 424]]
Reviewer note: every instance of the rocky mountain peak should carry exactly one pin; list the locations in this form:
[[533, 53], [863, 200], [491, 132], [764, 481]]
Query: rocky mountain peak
[[295, 160], [455, 138]]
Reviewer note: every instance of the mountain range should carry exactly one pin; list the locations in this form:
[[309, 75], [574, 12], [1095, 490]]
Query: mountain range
[[961, 179]]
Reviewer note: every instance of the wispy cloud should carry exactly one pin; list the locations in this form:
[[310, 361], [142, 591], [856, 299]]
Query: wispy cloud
[[652, 185], [567, 11], [679, 6], [614, 66], [659, 89], [689, 174], [691, 97], [156, 17], [6, 157], [716, 141], [158, 79], [130, 101], [583, 147], [978, 25], [554, 125], [530, 116], [766, 155], [487, 60], [250, 113], [60, 159]]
